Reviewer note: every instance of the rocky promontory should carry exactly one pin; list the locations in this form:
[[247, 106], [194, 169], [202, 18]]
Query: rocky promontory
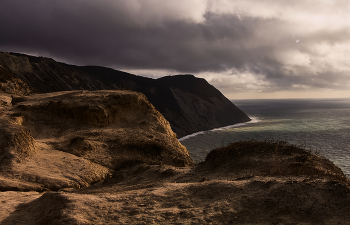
[[190, 104]]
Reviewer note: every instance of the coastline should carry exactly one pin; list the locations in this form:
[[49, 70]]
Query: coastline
[[253, 120]]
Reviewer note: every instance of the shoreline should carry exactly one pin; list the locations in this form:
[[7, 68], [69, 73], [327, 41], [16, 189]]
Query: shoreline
[[253, 120]]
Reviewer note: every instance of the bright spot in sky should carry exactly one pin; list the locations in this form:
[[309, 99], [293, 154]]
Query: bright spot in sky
[[297, 40]]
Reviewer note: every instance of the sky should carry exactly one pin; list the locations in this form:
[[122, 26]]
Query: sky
[[248, 49]]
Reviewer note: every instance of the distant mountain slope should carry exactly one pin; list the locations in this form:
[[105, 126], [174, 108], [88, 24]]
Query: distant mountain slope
[[190, 104], [193, 85], [11, 84]]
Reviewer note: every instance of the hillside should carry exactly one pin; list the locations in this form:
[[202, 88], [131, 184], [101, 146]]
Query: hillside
[[110, 157], [243, 183], [190, 104], [11, 84]]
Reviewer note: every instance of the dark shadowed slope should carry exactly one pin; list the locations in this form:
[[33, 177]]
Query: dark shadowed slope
[[190, 104], [11, 84], [205, 106]]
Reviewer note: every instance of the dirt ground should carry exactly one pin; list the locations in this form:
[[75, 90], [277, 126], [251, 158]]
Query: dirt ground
[[153, 194]]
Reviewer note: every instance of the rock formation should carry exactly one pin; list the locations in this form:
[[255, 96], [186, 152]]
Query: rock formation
[[72, 139], [190, 104]]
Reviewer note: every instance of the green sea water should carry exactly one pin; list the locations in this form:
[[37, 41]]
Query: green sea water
[[322, 125]]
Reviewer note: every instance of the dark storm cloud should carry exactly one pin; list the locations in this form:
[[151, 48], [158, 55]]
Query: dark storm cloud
[[135, 35], [87, 35]]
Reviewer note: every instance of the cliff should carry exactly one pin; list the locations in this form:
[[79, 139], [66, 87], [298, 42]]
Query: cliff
[[109, 157], [242, 183], [190, 104]]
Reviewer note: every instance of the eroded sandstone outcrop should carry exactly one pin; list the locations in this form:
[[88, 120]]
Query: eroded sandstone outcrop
[[27, 164], [72, 139]]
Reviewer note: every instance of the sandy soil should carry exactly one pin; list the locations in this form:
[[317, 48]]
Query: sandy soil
[[169, 195]]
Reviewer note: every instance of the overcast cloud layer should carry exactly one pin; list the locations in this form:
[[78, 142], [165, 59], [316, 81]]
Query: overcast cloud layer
[[237, 45]]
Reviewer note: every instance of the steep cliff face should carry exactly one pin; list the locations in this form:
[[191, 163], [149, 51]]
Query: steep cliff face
[[204, 106], [190, 104]]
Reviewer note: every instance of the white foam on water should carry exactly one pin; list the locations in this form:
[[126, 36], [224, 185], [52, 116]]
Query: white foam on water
[[253, 120], [191, 135]]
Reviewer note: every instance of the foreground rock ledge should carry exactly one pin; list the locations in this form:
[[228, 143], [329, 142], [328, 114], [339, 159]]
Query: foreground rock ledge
[[76, 138]]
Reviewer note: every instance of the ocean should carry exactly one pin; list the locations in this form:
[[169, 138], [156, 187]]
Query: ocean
[[322, 125]]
